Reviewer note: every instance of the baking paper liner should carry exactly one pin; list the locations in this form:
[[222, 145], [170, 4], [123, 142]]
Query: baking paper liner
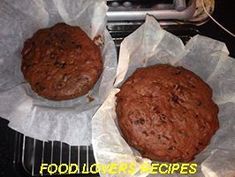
[[209, 59], [66, 121]]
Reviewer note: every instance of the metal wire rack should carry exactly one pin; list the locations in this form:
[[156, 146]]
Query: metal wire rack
[[35, 152]]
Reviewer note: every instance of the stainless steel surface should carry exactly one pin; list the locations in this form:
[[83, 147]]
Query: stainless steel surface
[[178, 10]]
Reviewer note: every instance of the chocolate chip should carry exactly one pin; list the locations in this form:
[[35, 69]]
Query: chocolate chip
[[165, 137], [60, 85], [163, 118], [140, 121], [171, 148], [39, 87], [200, 144], [145, 133], [156, 109], [199, 103], [78, 46], [52, 56], [156, 83], [193, 86], [202, 128], [60, 64], [27, 50], [61, 49], [175, 98], [177, 72], [183, 133]]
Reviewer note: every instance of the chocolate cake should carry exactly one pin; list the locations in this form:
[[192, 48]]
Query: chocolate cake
[[61, 62], [166, 113]]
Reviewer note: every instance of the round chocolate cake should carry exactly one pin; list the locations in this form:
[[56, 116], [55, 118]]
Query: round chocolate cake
[[166, 113], [61, 62]]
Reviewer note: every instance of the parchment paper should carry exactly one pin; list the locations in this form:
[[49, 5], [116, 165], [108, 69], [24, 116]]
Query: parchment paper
[[208, 58], [66, 121]]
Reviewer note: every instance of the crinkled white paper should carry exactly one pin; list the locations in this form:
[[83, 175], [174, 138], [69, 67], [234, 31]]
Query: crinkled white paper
[[208, 58], [66, 121]]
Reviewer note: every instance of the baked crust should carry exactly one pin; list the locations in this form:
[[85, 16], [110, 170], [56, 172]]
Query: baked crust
[[166, 113], [61, 62]]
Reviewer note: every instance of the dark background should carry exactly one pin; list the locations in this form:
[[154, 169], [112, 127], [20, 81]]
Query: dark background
[[224, 13]]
